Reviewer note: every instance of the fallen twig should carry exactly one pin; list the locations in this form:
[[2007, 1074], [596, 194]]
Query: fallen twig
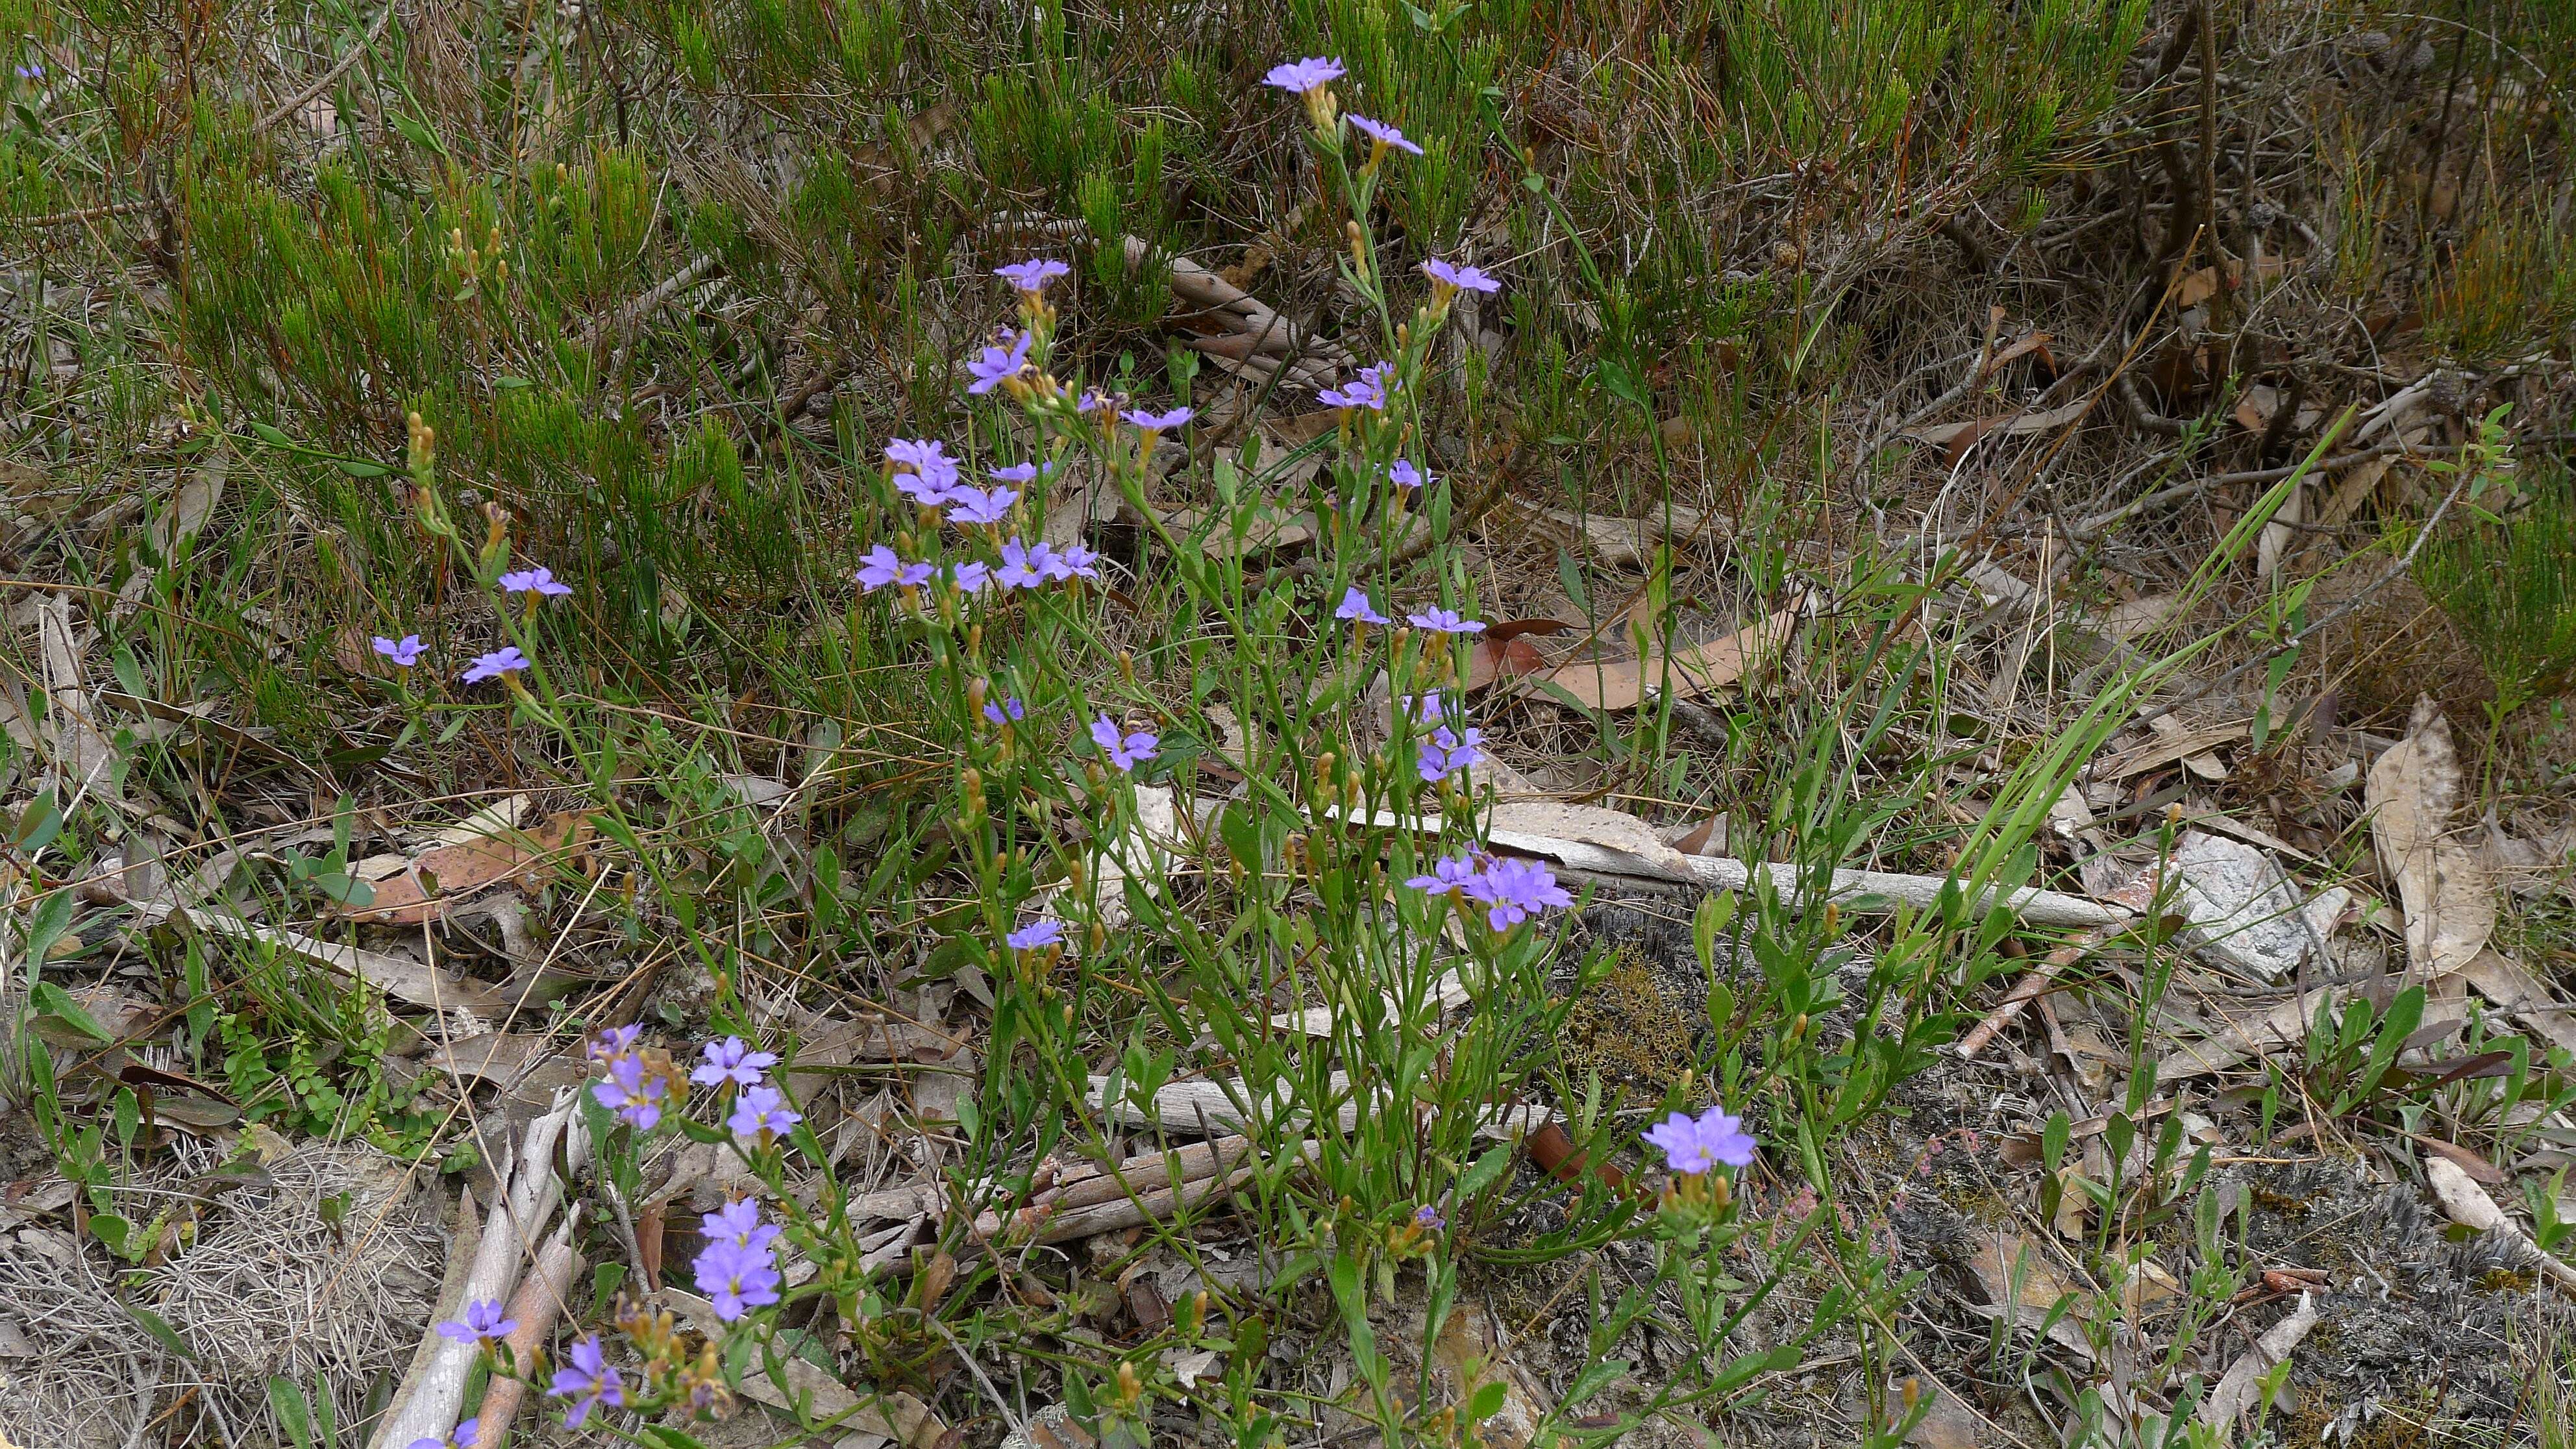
[[329, 77]]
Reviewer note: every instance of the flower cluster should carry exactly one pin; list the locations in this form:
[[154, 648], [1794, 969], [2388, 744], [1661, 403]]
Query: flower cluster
[[738, 1269], [1512, 890], [1695, 1145], [1368, 390], [640, 1082]]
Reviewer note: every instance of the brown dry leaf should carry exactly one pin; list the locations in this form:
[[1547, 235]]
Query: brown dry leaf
[[1469, 1351], [1958, 438], [2167, 748], [1946, 1423], [2031, 344], [1504, 652], [1619, 684], [2281, 532], [2502, 980], [2018, 1279], [438, 879], [2469, 1205], [2443, 882], [1544, 827], [2241, 1387], [399, 977]]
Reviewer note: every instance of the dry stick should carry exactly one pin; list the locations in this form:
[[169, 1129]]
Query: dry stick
[[2090, 528], [2028, 989], [509, 1234], [329, 77], [86, 213], [539, 1301]]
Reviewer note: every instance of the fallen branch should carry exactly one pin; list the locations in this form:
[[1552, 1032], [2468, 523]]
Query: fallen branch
[[534, 1307], [2033, 985], [303, 97], [1852, 889], [509, 1237], [396, 976]]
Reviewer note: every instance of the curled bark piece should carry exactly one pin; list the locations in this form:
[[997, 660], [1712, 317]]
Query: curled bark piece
[[509, 1237], [539, 1301]]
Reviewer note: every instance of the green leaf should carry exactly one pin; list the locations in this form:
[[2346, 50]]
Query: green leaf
[[52, 918], [348, 890], [1488, 1401], [359, 468], [1484, 1172], [56, 1007], [605, 1280], [39, 821], [1593, 1380], [286, 1398], [161, 1331], [272, 436]]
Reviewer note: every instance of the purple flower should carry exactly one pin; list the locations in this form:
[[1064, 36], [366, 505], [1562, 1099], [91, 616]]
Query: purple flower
[[1095, 401], [731, 1060], [588, 1381], [933, 474], [404, 652], [1311, 74], [738, 1222], [1692, 1146], [1356, 608], [762, 1110], [1158, 422], [1403, 474], [614, 1042], [981, 505], [1026, 565], [1444, 621], [635, 1097], [1464, 278], [1008, 709], [999, 364], [457, 1438], [505, 660], [917, 453], [540, 581], [1124, 751], [1446, 753], [1516, 890], [1364, 391], [1368, 390], [31, 71], [736, 1277], [882, 566], [1448, 873], [1032, 276], [971, 577], [1427, 708], [1018, 472], [1044, 931], [484, 1322], [1428, 1218], [1381, 132], [1074, 561]]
